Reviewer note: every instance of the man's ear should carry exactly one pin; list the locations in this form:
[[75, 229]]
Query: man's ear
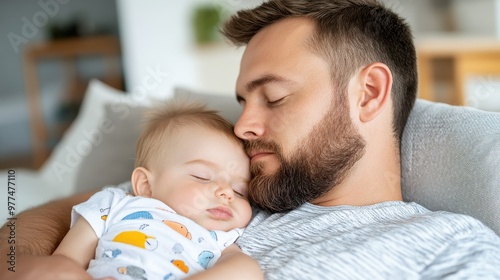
[[141, 182], [376, 86]]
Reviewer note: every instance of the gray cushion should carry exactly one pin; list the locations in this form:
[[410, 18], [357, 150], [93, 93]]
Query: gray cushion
[[226, 105], [451, 160], [112, 160]]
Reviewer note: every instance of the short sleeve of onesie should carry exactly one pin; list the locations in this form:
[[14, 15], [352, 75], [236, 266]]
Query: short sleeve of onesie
[[95, 210]]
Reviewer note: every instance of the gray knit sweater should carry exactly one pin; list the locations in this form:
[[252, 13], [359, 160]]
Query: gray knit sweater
[[390, 240]]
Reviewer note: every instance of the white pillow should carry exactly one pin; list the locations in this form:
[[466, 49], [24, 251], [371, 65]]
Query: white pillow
[[85, 134]]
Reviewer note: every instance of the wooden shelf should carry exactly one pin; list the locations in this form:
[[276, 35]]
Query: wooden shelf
[[67, 51], [469, 56]]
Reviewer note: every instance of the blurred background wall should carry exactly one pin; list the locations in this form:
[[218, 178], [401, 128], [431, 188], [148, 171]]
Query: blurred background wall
[[23, 23], [158, 39]]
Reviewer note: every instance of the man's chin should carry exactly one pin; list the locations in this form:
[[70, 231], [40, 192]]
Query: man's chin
[[265, 168]]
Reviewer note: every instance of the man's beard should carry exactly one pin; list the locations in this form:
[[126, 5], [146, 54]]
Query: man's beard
[[320, 163]]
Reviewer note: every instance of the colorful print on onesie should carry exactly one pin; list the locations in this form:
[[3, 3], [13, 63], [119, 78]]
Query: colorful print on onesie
[[143, 238]]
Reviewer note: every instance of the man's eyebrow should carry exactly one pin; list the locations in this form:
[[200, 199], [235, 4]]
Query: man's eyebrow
[[265, 79]]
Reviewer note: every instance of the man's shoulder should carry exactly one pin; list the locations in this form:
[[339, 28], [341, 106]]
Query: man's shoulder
[[387, 239], [397, 216], [457, 226]]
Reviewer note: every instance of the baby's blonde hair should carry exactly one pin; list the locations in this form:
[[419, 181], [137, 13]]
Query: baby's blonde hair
[[163, 121]]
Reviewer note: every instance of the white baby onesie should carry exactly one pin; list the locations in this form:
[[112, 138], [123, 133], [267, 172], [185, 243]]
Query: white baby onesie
[[143, 238]]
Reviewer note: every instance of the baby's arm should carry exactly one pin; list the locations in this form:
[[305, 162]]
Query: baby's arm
[[232, 264], [79, 243]]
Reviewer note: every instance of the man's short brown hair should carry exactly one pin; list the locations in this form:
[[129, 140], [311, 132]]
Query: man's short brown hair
[[349, 34]]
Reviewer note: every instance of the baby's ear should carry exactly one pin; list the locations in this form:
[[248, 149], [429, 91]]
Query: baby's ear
[[141, 182]]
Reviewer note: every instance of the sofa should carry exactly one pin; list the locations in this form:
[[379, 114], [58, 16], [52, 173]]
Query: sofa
[[450, 156]]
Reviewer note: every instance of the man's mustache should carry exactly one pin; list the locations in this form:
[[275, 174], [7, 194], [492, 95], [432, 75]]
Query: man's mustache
[[261, 145]]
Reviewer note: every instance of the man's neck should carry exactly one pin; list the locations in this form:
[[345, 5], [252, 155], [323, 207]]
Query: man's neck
[[375, 178]]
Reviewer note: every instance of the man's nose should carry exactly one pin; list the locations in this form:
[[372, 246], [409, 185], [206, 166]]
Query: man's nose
[[250, 125]]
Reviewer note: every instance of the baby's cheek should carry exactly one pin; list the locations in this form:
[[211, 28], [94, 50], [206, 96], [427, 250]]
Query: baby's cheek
[[191, 203], [245, 213], [200, 201]]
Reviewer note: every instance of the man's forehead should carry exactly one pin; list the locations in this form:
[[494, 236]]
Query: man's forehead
[[274, 46], [290, 34]]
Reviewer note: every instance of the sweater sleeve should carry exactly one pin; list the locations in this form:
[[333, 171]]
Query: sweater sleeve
[[468, 256]]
